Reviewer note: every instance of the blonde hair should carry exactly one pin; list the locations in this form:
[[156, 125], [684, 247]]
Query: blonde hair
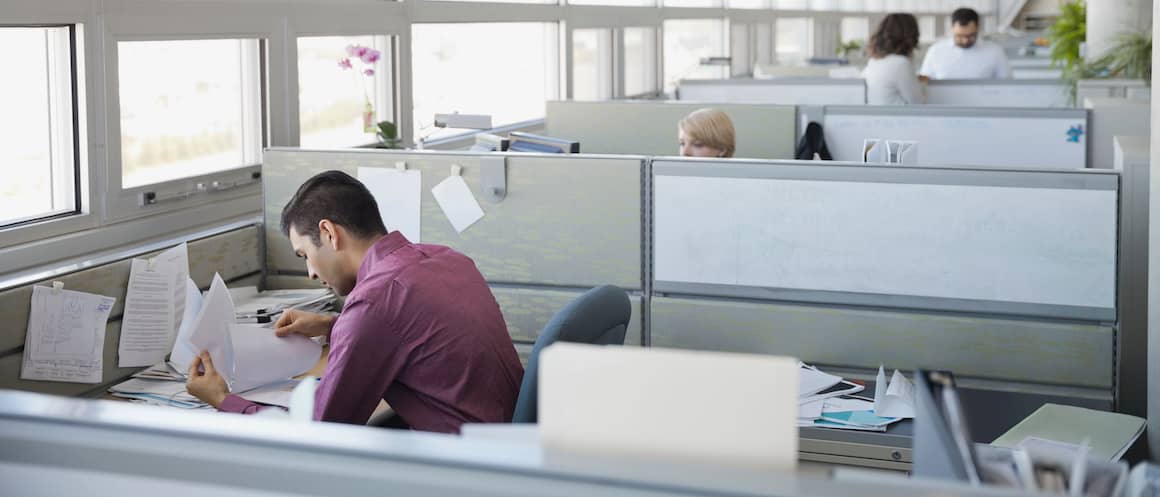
[[711, 127]]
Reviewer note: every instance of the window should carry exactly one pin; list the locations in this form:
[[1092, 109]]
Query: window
[[505, 70], [621, 3], [591, 64], [692, 3], [748, 4], [640, 61], [188, 108], [855, 29], [687, 42], [37, 131], [335, 93], [739, 51], [793, 40], [824, 5], [926, 29], [791, 4], [763, 44]]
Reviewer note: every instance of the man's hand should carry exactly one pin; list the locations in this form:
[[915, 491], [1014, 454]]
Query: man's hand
[[303, 323], [208, 386]]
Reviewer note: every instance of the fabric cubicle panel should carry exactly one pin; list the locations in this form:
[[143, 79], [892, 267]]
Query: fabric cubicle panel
[[234, 254], [568, 223], [1069, 354], [784, 91], [1006, 138], [974, 309], [764, 131], [1019, 92]]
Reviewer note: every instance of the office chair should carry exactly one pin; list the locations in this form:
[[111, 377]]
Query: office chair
[[599, 317]]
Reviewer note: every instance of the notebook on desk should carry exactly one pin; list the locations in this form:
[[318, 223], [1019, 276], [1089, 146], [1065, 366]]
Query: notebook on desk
[[1111, 433]]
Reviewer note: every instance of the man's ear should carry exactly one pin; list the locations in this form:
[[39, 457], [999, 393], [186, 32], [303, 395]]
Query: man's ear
[[328, 234]]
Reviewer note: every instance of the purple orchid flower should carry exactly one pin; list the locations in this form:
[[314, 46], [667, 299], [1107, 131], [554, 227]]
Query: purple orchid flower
[[369, 72], [344, 63]]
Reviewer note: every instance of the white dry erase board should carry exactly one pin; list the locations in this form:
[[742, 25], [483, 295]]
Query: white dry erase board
[[1025, 243], [785, 91], [1011, 138]]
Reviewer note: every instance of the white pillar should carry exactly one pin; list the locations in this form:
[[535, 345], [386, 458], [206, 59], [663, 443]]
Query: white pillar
[[1108, 18], [1153, 429]]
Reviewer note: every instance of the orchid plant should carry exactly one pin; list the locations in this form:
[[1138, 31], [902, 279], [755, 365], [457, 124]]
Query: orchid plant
[[368, 57]]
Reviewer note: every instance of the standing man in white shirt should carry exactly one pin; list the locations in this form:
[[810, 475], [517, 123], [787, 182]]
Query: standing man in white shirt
[[964, 55]]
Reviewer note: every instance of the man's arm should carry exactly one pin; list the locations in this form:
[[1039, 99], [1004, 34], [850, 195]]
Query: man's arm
[[367, 354], [927, 69]]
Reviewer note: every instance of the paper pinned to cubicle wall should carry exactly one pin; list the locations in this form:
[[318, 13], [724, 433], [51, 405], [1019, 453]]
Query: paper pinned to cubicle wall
[[398, 193], [457, 202], [148, 323], [65, 340]]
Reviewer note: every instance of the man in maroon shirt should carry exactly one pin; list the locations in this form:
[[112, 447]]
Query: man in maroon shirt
[[420, 328]]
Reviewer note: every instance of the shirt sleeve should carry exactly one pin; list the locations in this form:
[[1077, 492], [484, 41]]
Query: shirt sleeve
[[235, 404], [928, 62], [366, 356], [908, 86]]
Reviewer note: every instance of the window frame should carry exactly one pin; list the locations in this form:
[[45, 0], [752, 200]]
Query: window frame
[[123, 204], [82, 217]]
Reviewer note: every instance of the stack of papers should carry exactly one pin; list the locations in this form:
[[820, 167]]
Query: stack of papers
[[155, 387], [825, 401], [250, 306]]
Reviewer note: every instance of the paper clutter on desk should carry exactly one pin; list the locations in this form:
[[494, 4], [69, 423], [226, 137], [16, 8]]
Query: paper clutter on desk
[[895, 400]]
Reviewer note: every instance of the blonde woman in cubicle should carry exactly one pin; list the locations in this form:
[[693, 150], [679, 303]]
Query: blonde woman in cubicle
[[890, 75], [705, 133]]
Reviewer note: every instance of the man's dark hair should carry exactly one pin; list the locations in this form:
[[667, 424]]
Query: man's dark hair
[[896, 34], [964, 16], [336, 196]]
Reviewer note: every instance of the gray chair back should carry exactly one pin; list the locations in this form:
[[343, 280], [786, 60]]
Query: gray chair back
[[600, 316]]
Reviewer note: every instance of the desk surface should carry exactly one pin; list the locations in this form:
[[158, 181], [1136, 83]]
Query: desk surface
[[382, 410]]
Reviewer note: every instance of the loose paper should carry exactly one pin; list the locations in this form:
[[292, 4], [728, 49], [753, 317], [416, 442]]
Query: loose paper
[[181, 357], [65, 340], [397, 192], [247, 356], [896, 400], [148, 324], [457, 202]]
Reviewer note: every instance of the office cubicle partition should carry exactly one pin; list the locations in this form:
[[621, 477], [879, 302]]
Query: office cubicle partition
[[1115, 88], [1005, 277], [1024, 93], [566, 224], [989, 137], [764, 131], [1111, 117], [233, 251], [784, 91]]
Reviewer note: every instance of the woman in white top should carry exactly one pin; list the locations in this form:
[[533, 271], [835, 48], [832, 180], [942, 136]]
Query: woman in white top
[[890, 75]]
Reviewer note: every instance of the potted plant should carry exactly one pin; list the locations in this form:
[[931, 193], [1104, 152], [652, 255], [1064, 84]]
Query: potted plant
[[388, 135]]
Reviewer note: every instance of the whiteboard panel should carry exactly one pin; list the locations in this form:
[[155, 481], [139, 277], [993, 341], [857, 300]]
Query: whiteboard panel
[[1013, 139], [1021, 245], [795, 91], [1039, 93]]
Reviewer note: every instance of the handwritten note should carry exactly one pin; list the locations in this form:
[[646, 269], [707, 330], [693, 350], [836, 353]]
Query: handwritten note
[[65, 340]]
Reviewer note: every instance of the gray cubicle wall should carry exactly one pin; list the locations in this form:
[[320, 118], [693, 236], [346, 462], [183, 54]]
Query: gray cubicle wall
[[1022, 297], [958, 136], [1028, 93], [568, 223], [764, 131], [232, 251], [1111, 117], [784, 91]]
